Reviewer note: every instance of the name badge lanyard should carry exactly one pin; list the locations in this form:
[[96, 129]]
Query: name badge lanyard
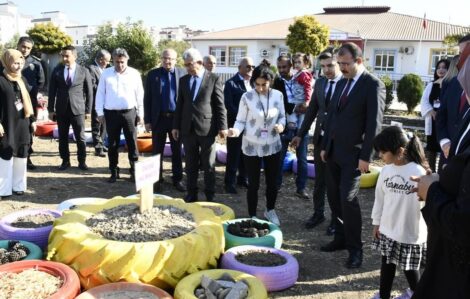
[[265, 113]]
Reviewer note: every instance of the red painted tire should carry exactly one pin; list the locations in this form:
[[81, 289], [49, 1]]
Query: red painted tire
[[221, 153], [144, 143], [310, 169], [38, 236], [71, 284], [274, 278], [99, 291], [45, 128]]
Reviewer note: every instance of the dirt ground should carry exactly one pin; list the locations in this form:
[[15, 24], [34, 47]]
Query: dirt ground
[[322, 275]]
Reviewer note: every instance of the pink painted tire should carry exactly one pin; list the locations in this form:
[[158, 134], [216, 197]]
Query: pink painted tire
[[310, 167], [274, 278], [221, 153], [38, 235]]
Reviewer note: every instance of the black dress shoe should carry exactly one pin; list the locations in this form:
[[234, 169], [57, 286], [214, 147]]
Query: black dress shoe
[[114, 176], [315, 220], [354, 260], [180, 186], [333, 246], [64, 165], [18, 193], [83, 166], [30, 165], [302, 194], [99, 152], [230, 189], [242, 183], [190, 198]]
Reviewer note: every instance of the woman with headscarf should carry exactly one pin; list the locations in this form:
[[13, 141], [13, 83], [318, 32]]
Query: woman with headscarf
[[16, 123]]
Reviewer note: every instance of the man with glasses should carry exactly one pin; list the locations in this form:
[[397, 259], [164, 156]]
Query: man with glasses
[[235, 87], [317, 109], [354, 119], [200, 114], [161, 92]]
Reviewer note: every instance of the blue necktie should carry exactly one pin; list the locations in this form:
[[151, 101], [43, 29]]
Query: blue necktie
[[193, 88]]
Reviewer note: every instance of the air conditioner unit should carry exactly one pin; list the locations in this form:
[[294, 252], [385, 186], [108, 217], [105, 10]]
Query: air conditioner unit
[[264, 53], [401, 50], [409, 50]]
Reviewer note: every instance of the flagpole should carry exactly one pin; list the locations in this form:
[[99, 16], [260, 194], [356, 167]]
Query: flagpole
[[420, 44]]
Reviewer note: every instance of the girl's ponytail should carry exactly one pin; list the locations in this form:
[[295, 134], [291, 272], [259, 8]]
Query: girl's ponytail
[[414, 151]]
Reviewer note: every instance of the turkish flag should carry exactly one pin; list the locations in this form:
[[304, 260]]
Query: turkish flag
[[425, 22]]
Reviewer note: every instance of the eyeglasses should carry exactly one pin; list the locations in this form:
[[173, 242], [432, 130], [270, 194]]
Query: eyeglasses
[[250, 66]]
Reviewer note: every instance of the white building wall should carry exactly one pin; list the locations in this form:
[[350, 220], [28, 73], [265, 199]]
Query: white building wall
[[80, 33]]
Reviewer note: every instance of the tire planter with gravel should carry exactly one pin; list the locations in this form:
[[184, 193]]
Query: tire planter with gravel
[[275, 278], [36, 235], [310, 167], [222, 211], [272, 239], [185, 288], [369, 180], [70, 287], [155, 196], [70, 204], [124, 288], [221, 153], [35, 253], [160, 263], [45, 128], [144, 143]]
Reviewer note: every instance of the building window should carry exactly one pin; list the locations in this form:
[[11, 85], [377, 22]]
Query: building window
[[220, 54], [235, 54], [438, 54], [384, 60]]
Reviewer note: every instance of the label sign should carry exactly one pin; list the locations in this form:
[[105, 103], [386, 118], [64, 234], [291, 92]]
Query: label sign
[[147, 172]]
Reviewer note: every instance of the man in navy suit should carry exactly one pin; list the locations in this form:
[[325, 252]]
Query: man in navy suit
[[235, 87], [161, 92], [354, 119]]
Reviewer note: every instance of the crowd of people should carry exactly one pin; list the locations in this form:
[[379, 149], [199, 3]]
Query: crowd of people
[[421, 209]]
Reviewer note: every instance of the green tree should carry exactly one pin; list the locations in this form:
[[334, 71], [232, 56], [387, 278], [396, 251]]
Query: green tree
[[409, 91], [308, 36], [451, 40], [178, 46], [131, 36], [48, 38], [388, 90], [12, 43]]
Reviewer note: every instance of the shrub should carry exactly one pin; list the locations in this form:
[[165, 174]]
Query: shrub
[[388, 90], [409, 91]]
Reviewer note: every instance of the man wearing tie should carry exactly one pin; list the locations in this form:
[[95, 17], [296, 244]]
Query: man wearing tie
[[200, 114], [235, 87], [354, 119], [161, 92], [70, 97], [317, 109]]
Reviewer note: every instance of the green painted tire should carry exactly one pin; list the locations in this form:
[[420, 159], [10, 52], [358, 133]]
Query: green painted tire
[[35, 253], [273, 239]]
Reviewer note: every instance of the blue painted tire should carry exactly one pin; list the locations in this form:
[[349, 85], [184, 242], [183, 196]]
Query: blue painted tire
[[273, 239], [310, 167], [35, 253], [288, 161], [122, 140], [274, 278], [221, 153]]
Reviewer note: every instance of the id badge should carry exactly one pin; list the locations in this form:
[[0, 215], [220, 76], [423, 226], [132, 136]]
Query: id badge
[[19, 105], [264, 133], [436, 104]]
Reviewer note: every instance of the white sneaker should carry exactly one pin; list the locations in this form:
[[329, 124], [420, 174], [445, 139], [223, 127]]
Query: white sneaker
[[407, 294], [271, 216]]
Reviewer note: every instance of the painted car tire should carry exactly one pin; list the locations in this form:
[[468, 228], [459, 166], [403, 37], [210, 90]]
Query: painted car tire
[[35, 253], [45, 128], [368, 180], [275, 278], [98, 291], [144, 143], [273, 239], [288, 161], [228, 214], [221, 153], [66, 204], [310, 167]]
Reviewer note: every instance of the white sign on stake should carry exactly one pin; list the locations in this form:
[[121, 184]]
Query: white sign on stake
[[147, 172]]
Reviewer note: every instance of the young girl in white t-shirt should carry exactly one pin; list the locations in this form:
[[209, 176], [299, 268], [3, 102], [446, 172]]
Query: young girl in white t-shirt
[[399, 229]]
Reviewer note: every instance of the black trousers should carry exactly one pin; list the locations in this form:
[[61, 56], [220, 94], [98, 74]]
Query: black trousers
[[78, 125], [319, 189], [98, 130], [271, 172], [159, 133], [342, 181], [234, 161], [200, 150], [117, 120]]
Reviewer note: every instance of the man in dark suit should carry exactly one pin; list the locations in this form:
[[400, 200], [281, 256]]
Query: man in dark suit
[[161, 92], [70, 97], [235, 87], [354, 119], [322, 93], [200, 114], [34, 74], [98, 129]]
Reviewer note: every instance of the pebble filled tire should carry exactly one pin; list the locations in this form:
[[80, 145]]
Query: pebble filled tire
[[368, 180], [66, 204], [221, 153], [160, 263], [155, 196], [101, 290], [273, 239], [35, 253], [275, 278], [70, 283], [185, 288], [228, 213], [45, 128], [310, 167], [38, 236]]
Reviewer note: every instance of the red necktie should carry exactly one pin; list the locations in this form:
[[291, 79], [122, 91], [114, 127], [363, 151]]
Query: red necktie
[[344, 96], [463, 100]]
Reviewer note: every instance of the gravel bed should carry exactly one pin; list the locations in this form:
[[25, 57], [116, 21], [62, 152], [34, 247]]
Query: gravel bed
[[126, 223], [260, 258], [15, 252], [248, 229], [30, 283], [33, 221], [126, 295]]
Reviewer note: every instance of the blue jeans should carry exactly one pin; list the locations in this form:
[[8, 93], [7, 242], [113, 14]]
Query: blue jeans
[[301, 154]]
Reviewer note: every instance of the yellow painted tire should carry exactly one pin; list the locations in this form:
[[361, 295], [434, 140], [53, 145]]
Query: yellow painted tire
[[228, 214], [160, 263], [185, 288], [368, 180]]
